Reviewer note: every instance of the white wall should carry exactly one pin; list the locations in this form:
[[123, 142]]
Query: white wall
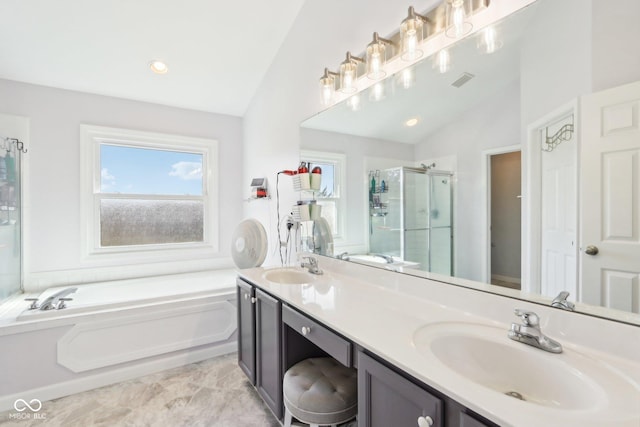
[[319, 38], [52, 199], [615, 63]]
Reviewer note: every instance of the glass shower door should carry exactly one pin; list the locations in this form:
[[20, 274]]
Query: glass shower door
[[441, 218], [416, 217], [10, 236]]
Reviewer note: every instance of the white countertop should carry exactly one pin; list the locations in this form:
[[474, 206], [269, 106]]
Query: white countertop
[[381, 311]]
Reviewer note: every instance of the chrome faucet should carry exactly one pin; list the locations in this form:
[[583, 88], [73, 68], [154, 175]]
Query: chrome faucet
[[311, 265], [57, 300], [387, 258], [343, 256], [561, 301], [529, 332]]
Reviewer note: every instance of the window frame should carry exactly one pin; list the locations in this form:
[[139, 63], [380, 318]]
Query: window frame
[[91, 139], [339, 161]]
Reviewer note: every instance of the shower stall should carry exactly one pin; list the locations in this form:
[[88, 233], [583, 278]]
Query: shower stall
[[10, 217], [411, 216]]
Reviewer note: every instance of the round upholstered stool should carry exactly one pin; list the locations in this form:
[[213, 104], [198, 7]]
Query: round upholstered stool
[[320, 392]]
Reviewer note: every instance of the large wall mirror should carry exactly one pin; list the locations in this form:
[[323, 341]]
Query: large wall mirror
[[514, 171]]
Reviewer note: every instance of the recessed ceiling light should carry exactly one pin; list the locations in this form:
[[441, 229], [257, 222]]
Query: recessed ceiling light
[[411, 122], [158, 67]]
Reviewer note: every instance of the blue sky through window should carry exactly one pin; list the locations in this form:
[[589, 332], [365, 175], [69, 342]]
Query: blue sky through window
[[130, 170]]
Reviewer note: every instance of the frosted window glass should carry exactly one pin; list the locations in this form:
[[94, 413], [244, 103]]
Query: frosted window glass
[[144, 222]]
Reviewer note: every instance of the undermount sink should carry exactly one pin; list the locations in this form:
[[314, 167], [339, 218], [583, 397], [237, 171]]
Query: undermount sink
[[484, 355], [289, 276]]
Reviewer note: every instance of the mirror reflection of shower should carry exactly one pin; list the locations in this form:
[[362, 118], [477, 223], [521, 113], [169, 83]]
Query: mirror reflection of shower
[[11, 150], [411, 217]]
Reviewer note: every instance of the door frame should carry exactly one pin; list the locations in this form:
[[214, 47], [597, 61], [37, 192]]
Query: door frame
[[532, 193], [485, 238]]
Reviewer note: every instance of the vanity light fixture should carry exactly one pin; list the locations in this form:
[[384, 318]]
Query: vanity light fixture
[[376, 57], [411, 34], [349, 74], [328, 87], [442, 61], [457, 24], [158, 67], [489, 40], [451, 18]]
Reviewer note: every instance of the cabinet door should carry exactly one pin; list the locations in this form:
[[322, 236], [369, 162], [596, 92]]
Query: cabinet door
[[468, 421], [386, 398], [269, 351], [246, 330]]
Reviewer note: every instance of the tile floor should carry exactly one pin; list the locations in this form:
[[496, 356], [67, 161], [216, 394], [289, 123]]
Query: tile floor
[[212, 393]]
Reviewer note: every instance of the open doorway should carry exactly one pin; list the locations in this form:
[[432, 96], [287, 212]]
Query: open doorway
[[505, 222]]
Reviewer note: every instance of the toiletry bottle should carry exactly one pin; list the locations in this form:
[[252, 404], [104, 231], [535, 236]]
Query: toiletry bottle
[[383, 186], [373, 184]]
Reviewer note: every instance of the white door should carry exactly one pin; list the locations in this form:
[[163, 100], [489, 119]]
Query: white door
[[559, 219], [610, 198]]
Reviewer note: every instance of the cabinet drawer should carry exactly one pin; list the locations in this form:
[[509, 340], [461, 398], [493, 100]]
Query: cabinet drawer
[[336, 346]]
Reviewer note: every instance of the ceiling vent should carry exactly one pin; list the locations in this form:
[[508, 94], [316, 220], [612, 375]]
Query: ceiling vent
[[464, 78]]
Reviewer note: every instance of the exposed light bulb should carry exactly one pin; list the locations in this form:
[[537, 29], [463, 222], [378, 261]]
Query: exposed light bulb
[[410, 36], [349, 74], [327, 88], [457, 23], [327, 92], [375, 66]]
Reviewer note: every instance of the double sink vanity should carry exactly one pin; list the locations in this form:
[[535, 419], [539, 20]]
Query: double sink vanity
[[428, 353]]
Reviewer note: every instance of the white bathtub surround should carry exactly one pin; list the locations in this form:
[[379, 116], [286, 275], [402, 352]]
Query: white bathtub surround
[[213, 393], [115, 331], [38, 282], [383, 312]]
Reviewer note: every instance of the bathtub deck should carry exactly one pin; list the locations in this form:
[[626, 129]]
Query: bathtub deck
[[104, 296]]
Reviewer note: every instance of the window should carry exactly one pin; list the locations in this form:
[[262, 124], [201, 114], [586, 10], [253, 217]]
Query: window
[[331, 193], [147, 192]]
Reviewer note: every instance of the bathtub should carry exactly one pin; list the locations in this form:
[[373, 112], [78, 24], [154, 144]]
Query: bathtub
[[134, 292], [114, 331]]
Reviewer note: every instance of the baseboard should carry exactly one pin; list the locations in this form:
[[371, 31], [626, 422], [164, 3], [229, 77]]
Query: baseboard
[[113, 376]]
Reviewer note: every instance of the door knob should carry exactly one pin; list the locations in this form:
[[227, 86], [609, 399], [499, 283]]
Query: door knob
[[591, 250], [425, 421]]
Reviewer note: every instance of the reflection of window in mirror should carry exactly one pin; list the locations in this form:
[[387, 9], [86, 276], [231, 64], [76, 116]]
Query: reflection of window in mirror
[[331, 194]]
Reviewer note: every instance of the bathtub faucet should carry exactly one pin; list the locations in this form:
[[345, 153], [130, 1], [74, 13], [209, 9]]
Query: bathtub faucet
[[57, 300]]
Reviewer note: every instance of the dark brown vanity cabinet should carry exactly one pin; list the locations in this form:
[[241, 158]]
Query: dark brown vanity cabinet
[[389, 397], [246, 329], [260, 343], [385, 398], [273, 337]]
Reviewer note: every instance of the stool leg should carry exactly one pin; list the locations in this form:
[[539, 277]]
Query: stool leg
[[287, 417]]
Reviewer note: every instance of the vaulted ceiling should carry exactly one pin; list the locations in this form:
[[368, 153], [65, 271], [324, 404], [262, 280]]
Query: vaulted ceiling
[[217, 51]]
